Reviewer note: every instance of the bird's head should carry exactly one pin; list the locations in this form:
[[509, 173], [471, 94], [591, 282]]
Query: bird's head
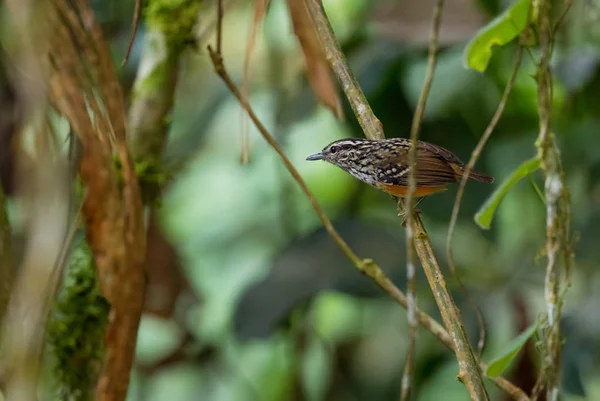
[[343, 153]]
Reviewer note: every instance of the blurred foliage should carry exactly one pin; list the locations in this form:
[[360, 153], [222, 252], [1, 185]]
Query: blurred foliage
[[280, 314]]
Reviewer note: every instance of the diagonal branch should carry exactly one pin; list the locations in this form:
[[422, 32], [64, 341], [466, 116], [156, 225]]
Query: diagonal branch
[[369, 123], [470, 373]]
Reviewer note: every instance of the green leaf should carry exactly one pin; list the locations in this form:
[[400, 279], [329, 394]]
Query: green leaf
[[500, 31], [501, 362], [484, 216]]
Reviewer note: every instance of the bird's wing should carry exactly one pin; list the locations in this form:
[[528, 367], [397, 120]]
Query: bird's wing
[[433, 166]]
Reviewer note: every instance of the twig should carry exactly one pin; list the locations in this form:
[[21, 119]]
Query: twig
[[409, 203], [369, 123], [569, 4], [219, 25], [470, 373], [6, 259], [366, 266], [207, 27], [134, 27], [461, 188]]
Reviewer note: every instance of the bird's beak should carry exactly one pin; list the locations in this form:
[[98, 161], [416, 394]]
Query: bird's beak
[[316, 156]]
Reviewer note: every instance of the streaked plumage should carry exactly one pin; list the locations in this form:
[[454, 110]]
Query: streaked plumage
[[383, 164]]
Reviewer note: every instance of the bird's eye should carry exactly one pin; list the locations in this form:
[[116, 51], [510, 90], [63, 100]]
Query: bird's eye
[[334, 149]]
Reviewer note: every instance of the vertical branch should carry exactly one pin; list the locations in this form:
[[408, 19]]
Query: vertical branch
[[45, 190], [6, 259], [557, 207], [409, 203], [152, 101], [463, 182], [470, 373], [82, 69], [10, 125], [169, 33], [219, 25]]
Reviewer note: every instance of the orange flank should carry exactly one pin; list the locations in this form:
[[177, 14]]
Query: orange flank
[[402, 190]]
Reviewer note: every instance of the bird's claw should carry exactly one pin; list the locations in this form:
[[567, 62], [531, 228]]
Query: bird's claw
[[404, 216]]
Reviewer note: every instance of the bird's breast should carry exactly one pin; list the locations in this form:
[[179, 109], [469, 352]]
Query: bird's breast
[[363, 174]]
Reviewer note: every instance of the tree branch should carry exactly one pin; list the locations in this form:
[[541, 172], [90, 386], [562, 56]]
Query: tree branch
[[558, 213], [6, 258], [84, 75], [470, 373]]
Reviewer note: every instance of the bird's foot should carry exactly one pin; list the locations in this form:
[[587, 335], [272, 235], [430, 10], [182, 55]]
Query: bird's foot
[[402, 209], [404, 215]]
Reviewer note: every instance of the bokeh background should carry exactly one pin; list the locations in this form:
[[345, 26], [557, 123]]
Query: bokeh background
[[267, 307]]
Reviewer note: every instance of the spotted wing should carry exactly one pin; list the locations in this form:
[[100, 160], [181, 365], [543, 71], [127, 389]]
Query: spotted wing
[[434, 166]]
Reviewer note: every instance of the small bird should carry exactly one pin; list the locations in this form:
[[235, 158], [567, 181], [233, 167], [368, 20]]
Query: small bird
[[384, 164]]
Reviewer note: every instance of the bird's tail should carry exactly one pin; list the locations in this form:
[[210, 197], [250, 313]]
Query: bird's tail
[[488, 179], [460, 170]]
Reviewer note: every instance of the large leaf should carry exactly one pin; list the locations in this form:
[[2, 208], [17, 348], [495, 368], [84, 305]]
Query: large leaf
[[500, 31], [484, 216], [501, 362]]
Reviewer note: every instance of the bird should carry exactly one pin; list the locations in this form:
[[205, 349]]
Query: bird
[[384, 164]]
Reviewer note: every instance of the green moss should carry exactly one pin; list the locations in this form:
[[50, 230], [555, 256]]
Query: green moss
[[175, 18], [76, 328], [159, 77], [151, 177]]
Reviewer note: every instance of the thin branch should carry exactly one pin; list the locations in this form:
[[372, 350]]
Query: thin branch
[[6, 258], [568, 5], [366, 266], [461, 188], [470, 373], [134, 27], [207, 27], [409, 203], [369, 123], [219, 25]]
